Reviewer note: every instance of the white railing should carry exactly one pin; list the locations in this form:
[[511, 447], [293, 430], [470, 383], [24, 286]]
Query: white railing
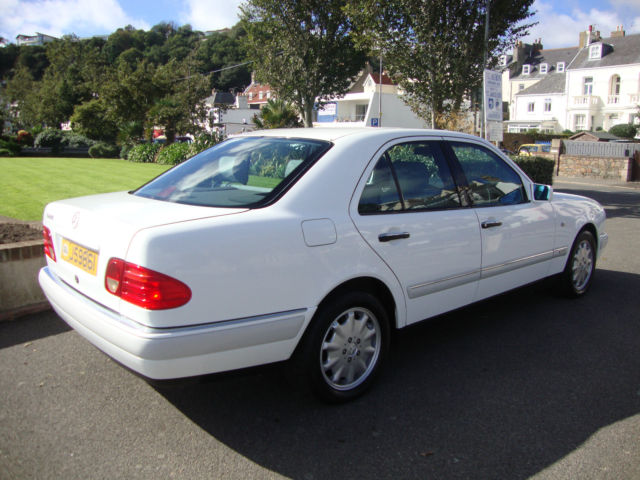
[[585, 100], [613, 99], [634, 98]]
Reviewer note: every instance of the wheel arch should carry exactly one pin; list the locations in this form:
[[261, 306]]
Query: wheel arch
[[370, 285]]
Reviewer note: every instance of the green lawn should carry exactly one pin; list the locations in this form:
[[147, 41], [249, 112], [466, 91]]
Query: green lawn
[[28, 184]]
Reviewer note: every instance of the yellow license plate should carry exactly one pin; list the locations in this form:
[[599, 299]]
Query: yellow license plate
[[81, 257]]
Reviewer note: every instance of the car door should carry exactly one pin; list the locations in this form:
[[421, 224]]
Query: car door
[[409, 210], [517, 231]]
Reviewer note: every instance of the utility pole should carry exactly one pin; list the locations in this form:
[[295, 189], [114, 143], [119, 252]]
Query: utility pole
[[483, 118]]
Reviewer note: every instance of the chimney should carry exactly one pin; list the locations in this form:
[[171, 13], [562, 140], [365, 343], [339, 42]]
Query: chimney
[[618, 33], [537, 46], [518, 52]]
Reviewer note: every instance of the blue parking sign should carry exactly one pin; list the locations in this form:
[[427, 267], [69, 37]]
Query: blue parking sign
[[374, 122]]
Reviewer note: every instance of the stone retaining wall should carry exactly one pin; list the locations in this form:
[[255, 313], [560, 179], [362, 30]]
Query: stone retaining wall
[[20, 291], [606, 168]]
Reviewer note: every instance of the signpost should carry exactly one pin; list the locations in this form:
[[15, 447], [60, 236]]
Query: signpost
[[493, 105]]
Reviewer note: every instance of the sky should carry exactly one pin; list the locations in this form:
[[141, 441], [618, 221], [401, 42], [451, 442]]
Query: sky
[[559, 21]]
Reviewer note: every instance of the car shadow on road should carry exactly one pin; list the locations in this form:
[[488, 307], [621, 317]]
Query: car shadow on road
[[500, 389], [30, 328], [619, 203]]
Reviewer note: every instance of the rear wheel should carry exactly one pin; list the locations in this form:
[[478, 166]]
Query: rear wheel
[[345, 346], [578, 273]]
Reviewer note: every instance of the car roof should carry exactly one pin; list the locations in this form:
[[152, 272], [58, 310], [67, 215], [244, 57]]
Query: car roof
[[335, 134]]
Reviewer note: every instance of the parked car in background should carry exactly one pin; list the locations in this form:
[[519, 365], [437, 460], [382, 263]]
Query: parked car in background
[[308, 245], [532, 149]]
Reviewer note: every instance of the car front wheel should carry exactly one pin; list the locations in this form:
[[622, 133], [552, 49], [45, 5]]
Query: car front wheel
[[345, 347], [581, 265]]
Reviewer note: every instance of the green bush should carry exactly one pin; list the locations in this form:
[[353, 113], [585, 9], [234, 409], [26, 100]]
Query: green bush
[[173, 154], [4, 152], [49, 137], [124, 151], [539, 169], [11, 146], [624, 130], [103, 150], [144, 153], [75, 140], [204, 141]]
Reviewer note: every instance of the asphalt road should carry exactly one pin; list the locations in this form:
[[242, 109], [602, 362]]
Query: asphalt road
[[525, 385]]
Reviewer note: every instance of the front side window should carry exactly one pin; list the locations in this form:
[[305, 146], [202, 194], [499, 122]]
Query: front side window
[[240, 172], [409, 176], [587, 85], [491, 181]]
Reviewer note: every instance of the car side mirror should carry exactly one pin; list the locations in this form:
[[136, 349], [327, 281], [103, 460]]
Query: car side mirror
[[542, 193]]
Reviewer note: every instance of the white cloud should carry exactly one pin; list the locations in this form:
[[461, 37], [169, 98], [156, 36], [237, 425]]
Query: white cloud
[[562, 30], [61, 17], [211, 14]]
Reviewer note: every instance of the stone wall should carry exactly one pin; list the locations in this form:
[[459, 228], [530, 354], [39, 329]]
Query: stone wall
[[596, 167]]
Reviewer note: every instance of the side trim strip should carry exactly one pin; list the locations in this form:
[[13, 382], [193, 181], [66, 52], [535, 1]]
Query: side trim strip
[[422, 289]]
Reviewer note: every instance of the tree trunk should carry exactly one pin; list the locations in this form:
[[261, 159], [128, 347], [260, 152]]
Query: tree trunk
[[308, 113]]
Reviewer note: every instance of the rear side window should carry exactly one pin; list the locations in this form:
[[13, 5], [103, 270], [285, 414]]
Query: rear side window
[[240, 172], [491, 181], [409, 176]]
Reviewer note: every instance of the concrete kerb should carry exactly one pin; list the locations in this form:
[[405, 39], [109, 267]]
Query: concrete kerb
[[20, 262]]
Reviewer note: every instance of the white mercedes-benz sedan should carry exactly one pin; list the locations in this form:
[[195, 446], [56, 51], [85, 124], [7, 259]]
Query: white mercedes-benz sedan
[[309, 245]]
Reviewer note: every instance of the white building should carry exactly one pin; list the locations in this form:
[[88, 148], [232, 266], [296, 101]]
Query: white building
[[592, 86], [228, 113], [371, 101]]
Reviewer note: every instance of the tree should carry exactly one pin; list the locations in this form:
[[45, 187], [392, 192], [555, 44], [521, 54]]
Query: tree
[[434, 49], [91, 120], [303, 50], [277, 114], [624, 130]]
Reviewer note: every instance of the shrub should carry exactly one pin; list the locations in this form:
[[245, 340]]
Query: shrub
[[173, 154], [124, 151], [539, 169], [4, 152], [49, 137], [144, 153], [204, 141], [11, 146], [624, 130], [75, 140], [24, 138], [103, 150]]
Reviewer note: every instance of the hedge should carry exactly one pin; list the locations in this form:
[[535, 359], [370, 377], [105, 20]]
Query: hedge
[[144, 153], [173, 154], [538, 169], [104, 150]]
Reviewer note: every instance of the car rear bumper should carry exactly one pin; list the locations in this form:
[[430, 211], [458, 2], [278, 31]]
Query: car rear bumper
[[165, 353]]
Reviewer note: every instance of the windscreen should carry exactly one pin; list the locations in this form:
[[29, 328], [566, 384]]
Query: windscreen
[[240, 172]]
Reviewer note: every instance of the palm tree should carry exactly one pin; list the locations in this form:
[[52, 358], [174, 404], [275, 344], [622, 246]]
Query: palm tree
[[277, 114]]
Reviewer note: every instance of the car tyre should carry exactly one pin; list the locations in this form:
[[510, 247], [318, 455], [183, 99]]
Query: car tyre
[[581, 264], [345, 346]]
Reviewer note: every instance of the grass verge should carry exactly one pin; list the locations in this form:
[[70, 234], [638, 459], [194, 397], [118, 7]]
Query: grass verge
[[27, 184]]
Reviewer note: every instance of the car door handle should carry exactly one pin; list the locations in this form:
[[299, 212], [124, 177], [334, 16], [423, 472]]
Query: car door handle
[[387, 237], [490, 224]]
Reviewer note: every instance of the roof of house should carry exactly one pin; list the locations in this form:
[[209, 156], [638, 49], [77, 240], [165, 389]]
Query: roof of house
[[385, 79], [550, 83], [221, 98], [597, 136], [616, 51], [551, 57]]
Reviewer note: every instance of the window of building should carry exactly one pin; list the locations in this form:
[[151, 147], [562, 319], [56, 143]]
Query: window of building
[[560, 67], [547, 104], [544, 68], [526, 69], [520, 87], [587, 83], [260, 95], [250, 95], [595, 51], [579, 122], [531, 107], [269, 94]]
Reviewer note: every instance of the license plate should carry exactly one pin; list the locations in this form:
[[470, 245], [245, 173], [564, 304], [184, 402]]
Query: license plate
[[83, 258]]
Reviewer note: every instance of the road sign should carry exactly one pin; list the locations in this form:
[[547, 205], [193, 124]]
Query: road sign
[[493, 96], [374, 122]]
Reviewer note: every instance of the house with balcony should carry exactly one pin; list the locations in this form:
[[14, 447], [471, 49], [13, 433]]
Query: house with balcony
[[603, 83], [592, 87], [372, 100], [37, 39]]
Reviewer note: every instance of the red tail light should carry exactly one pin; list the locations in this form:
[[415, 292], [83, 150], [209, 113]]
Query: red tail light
[[144, 287], [48, 243]]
